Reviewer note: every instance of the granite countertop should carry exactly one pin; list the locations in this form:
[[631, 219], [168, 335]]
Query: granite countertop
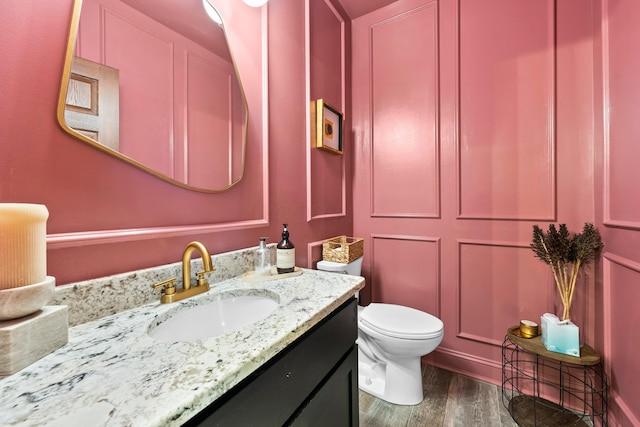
[[112, 373]]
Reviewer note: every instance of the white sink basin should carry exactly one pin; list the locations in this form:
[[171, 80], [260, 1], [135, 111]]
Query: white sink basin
[[213, 318]]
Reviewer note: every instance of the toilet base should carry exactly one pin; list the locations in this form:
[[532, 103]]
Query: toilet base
[[398, 383]]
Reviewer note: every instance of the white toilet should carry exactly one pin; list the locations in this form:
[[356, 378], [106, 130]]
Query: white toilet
[[391, 340]]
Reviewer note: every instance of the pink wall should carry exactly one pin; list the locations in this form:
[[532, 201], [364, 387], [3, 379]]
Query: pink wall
[[472, 122], [328, 39], [108, 217], [617, 210]]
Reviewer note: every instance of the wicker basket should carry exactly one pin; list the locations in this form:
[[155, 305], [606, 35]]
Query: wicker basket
[[342, 249]]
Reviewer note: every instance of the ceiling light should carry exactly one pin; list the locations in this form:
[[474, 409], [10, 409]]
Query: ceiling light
[[212, 12]]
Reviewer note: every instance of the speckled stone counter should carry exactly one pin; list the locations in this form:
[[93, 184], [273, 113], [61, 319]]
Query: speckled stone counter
[[111, 373], [96, 298]]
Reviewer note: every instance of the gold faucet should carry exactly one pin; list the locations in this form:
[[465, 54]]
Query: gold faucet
[[169, 292]]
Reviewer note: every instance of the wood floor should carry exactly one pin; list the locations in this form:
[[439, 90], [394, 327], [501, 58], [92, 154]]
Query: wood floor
[[450, 400]]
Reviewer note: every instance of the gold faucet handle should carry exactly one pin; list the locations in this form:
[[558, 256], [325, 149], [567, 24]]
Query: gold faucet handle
[[168, 286], [200, 280]]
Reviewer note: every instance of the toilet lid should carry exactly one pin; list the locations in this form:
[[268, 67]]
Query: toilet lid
[[400, 321], [335, 267]]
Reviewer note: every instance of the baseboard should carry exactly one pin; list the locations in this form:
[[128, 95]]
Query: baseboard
[[463, 363]]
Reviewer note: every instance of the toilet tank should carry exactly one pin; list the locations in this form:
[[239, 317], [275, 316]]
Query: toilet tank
[[353, 268]]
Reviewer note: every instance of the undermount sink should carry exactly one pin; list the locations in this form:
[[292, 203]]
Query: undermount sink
[[213, 318]]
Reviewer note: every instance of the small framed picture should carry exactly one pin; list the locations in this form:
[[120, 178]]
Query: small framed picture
[[326, 127]]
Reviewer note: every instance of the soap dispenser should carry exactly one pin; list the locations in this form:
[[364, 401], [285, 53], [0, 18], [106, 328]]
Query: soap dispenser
[[263, 259], [285, 253]]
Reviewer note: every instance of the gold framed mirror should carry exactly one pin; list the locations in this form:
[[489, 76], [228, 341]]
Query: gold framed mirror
[[155, 85]]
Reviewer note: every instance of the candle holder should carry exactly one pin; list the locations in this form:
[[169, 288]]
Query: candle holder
[[26, 300], [29, 330]]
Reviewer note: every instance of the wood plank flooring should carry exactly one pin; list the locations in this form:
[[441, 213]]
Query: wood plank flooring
[[450, 400]]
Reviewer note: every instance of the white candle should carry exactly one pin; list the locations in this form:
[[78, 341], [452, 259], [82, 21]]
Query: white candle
[[23, 244]]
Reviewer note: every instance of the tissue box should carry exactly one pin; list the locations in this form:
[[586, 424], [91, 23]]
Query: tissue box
[[560, 336]]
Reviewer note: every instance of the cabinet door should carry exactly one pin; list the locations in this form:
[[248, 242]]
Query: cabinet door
[[281, 389], [335, 403]]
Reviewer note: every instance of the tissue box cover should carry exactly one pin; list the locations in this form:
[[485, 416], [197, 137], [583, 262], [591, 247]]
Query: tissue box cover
[[560, 336]]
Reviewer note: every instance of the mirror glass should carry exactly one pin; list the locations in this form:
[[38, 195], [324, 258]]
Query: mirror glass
[[154, 84]]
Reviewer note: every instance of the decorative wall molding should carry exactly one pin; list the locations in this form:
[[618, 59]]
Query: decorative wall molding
[[264, 111], [314, 253], [313, 197], [507, 297], [99, 237], [609, 217], [474, 209], [436, 241], [609, 262], [227, 94], [422, 124], [467, 364]]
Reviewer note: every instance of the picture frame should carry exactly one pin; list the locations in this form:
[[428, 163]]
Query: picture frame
[[326, 127]]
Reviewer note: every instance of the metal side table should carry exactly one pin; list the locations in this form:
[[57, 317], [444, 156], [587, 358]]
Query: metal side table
[[544, 388]]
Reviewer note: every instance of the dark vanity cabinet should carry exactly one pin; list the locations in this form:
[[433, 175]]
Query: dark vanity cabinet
[[313, 382]]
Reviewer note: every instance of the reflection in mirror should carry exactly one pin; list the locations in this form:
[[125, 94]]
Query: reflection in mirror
[[154, 84]]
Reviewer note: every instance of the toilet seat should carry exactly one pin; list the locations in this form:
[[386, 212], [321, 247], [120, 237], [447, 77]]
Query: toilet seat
[[401, 322]]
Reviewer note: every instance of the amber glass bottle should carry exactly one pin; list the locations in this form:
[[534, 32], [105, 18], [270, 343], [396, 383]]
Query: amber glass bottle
[[285, 253]]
